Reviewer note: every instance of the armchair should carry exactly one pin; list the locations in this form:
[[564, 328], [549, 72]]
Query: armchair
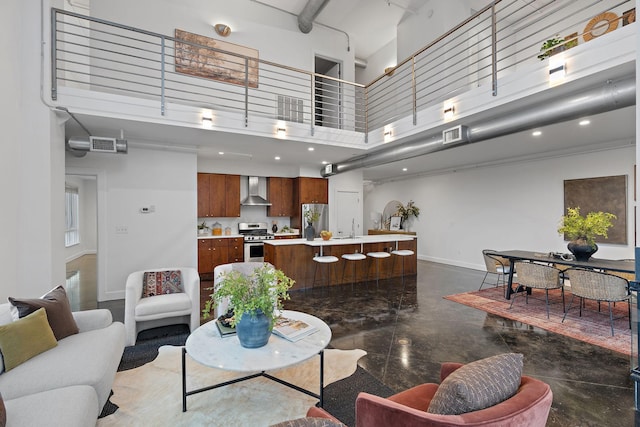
[[160, 310], [528, 407]]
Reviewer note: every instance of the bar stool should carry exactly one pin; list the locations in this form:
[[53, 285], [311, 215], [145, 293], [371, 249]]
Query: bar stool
[[401, 253], [323, 259], [377, 256], [357, 256]]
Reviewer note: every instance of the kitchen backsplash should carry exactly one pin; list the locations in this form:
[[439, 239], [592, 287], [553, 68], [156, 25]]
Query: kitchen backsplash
[[247, 214]]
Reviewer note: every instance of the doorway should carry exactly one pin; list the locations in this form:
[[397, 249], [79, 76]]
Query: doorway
[[81, 250], [348, 214], [328, 93]]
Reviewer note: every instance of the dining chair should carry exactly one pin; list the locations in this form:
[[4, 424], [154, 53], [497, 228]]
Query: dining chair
[[538, 276], [598, 286], [495, 265]]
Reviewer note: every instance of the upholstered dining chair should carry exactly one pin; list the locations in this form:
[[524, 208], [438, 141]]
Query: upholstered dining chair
[[496, 266], [538, 276], [175, 305], [599, 286]]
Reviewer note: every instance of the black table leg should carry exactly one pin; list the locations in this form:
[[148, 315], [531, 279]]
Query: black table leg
[[184, 381]]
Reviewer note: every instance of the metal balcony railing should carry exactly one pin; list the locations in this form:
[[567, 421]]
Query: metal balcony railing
[[103, 56]]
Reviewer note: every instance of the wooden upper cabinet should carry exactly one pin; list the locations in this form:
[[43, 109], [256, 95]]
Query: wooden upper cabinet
[[218, 195], [280, 194], [313, 190]]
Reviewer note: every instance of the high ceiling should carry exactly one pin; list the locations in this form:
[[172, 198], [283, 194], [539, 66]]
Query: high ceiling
[[357, 17]]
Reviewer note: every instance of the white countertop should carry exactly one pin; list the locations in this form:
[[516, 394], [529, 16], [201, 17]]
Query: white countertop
[[229, 236], [343, 241]]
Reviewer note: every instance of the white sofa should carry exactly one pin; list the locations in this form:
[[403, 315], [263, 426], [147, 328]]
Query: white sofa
[[69, 384], [161, 310]]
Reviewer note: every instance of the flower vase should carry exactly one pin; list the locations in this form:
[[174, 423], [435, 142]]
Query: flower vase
[[582, 250], [310, 232], [253, 329]]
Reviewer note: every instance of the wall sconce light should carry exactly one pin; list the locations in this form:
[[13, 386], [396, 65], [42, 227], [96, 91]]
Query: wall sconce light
[[207, 122], [387, 134], [449, 111], [222, 30], [281, 132], [389, 71], [557, 69]]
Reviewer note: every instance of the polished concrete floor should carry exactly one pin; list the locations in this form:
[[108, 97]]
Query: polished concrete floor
[[407, 332]]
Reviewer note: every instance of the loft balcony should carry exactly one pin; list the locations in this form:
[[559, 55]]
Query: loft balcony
[[489, 64]]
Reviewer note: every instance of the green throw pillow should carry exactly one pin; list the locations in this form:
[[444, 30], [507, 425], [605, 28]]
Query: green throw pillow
[[25, 338], [478, 385], [58, 311]]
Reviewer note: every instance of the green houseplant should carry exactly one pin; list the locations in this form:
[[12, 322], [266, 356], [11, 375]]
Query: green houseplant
[[256, 300], [547, 48], [405, 212], [583, 230]]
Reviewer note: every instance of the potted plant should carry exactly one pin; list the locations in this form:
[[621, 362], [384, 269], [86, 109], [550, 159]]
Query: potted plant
[[255, 299], [405, 212], [582, 231], [311, 216], [203, 228], [548, 47]]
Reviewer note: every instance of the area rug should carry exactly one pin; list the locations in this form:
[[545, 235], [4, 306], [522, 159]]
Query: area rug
[[152, 393], [593, 327]]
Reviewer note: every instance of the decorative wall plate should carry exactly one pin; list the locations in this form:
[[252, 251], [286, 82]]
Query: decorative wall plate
[[599, 25]]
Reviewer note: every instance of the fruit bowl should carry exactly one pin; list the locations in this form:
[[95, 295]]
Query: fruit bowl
[[326, 235]]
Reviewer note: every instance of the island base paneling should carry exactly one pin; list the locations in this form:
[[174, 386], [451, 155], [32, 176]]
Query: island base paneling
[[296, 261]]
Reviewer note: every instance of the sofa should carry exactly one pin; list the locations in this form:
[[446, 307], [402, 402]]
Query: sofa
[[69, 384]]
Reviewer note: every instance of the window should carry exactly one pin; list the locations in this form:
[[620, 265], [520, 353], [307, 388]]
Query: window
[[72, 232]]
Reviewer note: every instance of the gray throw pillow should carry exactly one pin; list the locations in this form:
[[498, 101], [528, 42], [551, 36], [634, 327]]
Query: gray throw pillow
[[478, 385]]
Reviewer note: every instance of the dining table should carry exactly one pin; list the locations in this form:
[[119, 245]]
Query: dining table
[[514, 255]]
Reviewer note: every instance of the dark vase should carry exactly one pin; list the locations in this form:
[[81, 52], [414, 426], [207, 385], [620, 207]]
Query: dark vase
[[253, 329], [310, 232], [582, 251]]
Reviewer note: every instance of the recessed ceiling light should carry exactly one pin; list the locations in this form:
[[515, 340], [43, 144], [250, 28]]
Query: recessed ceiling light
[[221, 153], [584, 122], [277, 157], [536, 133], [324, 162], [310, 148], [404, 169]]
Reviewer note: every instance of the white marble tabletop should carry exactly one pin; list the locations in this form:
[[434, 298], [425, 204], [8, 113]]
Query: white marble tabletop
[[206, 346], [378, 238]]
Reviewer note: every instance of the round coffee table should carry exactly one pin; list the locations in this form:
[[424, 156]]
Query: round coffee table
[[207, 347]]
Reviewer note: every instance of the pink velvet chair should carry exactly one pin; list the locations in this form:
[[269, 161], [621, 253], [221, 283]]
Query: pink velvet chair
[[528, 407]]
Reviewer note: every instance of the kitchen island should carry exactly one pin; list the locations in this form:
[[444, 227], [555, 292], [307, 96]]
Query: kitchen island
[[295, 257]]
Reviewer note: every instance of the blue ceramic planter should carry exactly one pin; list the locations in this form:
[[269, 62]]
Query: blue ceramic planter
[[253, 329]]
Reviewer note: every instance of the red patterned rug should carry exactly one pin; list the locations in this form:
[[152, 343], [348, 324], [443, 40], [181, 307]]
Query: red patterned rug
[[593, 327]]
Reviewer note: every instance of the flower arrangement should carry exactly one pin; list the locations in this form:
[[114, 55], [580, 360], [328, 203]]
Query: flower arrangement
[[264, 289], [312, 215], [409, 210], [546, 48], [578, 227]]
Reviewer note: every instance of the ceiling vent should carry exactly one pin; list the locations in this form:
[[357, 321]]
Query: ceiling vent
[[97, 144], [453, 135], [102, 145]]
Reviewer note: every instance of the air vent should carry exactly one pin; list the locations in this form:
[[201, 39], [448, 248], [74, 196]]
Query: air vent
[[102, 145], [453, 135], [290, 109]]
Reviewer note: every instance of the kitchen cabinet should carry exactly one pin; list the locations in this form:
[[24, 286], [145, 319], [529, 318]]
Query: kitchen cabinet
[[213, 252], [312, 190], [218, 195], [280, 194]]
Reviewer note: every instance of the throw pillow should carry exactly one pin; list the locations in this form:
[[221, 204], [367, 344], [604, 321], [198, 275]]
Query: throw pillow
[[478, 385], [3, 413], [56, 303], [161, 282], [25, 338]]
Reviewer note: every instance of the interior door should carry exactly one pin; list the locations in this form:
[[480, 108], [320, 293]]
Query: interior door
[[348, 213]]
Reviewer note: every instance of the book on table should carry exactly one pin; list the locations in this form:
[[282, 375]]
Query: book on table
[[224, 329], [292, 329]]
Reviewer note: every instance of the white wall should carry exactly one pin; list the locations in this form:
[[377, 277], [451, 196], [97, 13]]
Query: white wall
[[511, 206], [144, 177], [387, 56]]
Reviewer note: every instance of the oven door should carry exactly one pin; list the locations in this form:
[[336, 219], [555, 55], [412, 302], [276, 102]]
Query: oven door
[[253, 251]]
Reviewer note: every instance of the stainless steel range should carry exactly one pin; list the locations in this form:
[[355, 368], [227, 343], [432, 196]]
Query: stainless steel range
[[254, 233]]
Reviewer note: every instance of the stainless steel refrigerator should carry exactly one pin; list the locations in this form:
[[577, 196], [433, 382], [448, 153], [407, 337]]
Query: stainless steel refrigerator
[[323, 221]]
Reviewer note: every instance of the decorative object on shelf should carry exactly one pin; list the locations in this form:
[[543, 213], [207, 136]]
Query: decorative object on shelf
[[394, 223], [256, 300], [310, 216], [582, 231], [629, 17], [216, 229], [203, 228], [406, 212], [274, 226], [599, 25]]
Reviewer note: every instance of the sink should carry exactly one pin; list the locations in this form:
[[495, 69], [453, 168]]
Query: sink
[[343, 237]]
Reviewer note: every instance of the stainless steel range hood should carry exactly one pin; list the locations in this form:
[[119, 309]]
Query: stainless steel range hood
[[254, 198]]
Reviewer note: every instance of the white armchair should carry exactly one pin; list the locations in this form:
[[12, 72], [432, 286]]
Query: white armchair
[[160, 310]]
